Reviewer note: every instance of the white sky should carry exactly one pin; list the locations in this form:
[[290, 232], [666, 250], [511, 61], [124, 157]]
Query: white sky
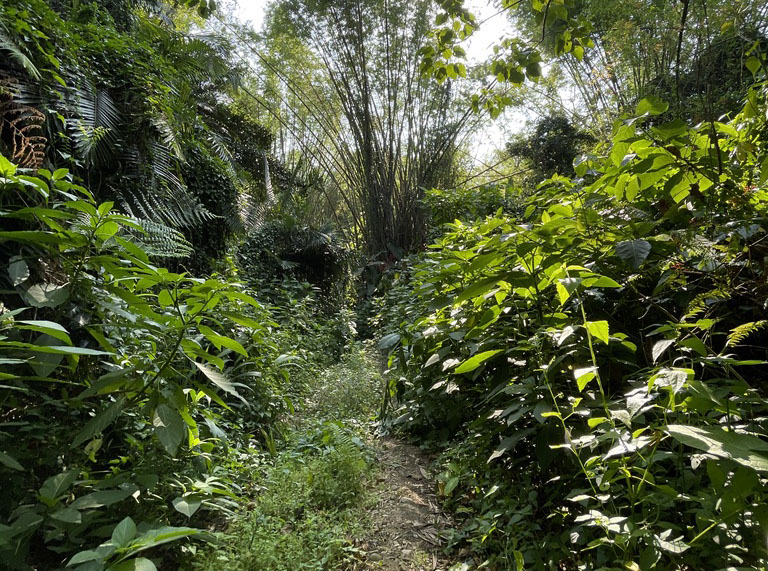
[[252, 11]]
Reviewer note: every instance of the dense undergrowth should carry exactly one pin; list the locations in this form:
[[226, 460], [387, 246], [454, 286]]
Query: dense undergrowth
[[311, 500], [593, 368], [133, 396]]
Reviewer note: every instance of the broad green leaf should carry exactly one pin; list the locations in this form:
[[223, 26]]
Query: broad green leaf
[[48, 327], [45, 295], [696, 344], [596, 421], [55, 486], [667, 131], [98, 554], [187, 505], [44, 363], [675, 546], [10, 462], [138, 564], [651, 105], [599, 330], [162, 535], [106, 230], [670, 378], [243, 320], [124, 532], [600, 281], [7, 168], [565, 288], [30, 236], [18, 270], [389, 341], [745, 449], [220, 341], [634, 252], [584, 375], [217, 378], [103, 498], [475, 361], [99, 422], [477, 290], [110, 382], [659, 347], [68, 515], [169, 427]]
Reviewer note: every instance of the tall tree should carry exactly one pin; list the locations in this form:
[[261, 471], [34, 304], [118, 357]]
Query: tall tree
[[396, 134]]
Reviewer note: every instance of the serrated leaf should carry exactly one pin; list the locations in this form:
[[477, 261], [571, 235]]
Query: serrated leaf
[[584, 375], [651, 105], [659, 347], [634, 252]]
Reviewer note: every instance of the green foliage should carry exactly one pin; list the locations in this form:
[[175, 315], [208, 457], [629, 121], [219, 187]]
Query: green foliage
[[135, 107], [593, 366], [350, 389], [124, 384], [281, 249], [469, 204], [551, 147], [308, 506]]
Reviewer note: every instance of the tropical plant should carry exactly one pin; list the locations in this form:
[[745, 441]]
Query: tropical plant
[[119, 378], [592, 364]]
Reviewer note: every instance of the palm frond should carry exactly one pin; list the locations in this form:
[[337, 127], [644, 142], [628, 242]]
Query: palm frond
[[163, 174], [95, 121], [167, 133], [18, 56]]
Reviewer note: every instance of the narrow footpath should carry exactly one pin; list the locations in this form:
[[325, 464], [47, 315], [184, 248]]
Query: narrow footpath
[[407, 520]]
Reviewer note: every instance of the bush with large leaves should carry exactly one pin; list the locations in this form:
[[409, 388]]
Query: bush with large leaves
[[594, 367], [125, 387]]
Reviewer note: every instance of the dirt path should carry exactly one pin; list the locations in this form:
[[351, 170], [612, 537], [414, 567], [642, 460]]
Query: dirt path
[[407, 520]]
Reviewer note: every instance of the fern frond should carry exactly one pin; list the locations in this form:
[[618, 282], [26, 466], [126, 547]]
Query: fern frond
[[174, 209], [738, 334], [704, 301], [160, 241], [25, 128], [221, 147], [162, 170]]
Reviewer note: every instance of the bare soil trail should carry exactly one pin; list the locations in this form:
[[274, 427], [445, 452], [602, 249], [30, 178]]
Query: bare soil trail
[[407, 522]]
